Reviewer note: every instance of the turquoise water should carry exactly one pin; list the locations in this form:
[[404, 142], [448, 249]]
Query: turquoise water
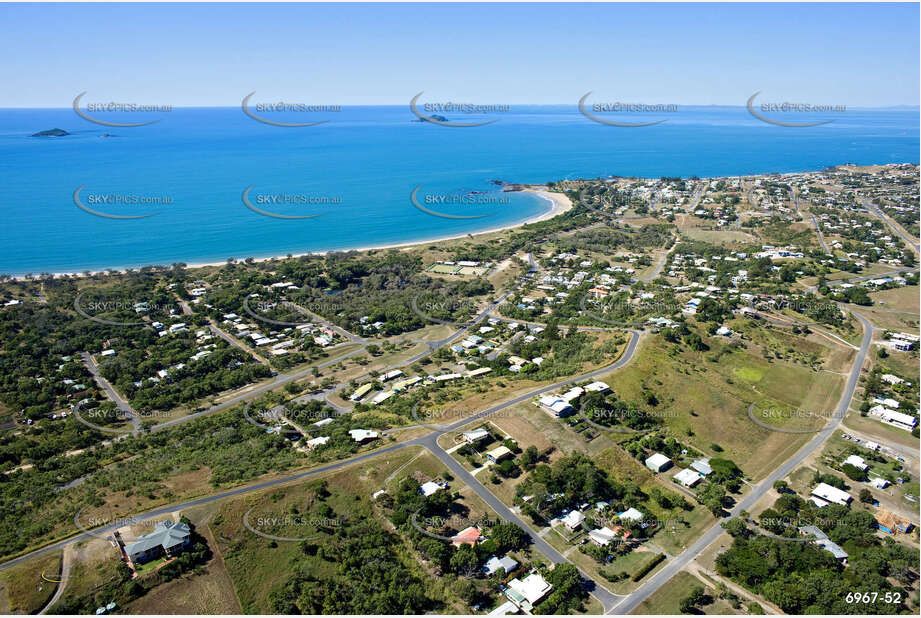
[[365, 162]]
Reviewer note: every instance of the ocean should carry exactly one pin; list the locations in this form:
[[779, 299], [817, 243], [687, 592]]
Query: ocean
[[357, 172]]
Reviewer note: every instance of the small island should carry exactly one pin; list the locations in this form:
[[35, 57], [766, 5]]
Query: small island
[[431, 118], [51, 133]]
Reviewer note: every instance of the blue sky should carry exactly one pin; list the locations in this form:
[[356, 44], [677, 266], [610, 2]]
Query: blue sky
[[368, 54]]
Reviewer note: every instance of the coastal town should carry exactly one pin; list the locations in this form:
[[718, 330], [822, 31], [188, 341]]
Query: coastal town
[[620, 408]]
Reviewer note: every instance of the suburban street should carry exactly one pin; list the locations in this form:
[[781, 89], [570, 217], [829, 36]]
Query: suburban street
[[682, 560], [888, 221]]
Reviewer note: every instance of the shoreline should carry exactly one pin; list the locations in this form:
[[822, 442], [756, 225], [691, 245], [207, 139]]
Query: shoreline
[[559, 205]]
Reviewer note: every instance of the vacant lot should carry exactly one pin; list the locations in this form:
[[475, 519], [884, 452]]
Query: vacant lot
[[703, 397], [667, 599], [25, 588]]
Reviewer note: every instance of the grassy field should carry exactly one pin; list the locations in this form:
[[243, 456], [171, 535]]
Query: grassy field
[[718, 237], [94, 562], [632, 563], [895, 309], [257, 566], [24, 590], [704, 397], [666, 600]]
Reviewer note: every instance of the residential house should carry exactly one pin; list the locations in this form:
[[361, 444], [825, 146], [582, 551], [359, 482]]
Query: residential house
[[168, 538], [828, 494], [494, 564], [527, 592]]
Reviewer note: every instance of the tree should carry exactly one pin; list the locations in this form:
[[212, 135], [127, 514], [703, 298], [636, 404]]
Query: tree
[[736, 527], [693, 600], [865, 496], [853, 472], [529, 457], [781, 486], [509, 536], [464, 561]]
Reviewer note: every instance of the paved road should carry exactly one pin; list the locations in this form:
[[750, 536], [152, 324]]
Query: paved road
[[660, 265], [217, 330], [280, 380], [888, 221], [428, 441], [606, 597], [123, 406], [818, 230], [683, 559]]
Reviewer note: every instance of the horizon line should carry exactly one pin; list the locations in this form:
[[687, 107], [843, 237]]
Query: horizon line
[[567, 104]]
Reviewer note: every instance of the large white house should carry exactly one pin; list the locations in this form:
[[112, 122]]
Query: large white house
[[829, 494]]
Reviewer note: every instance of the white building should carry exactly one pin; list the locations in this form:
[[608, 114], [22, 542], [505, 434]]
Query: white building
[[573, 520], [658, 462], [827, 494], [687, 477], [858, 462]]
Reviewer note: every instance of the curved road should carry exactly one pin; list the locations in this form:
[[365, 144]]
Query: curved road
[[428, 441]]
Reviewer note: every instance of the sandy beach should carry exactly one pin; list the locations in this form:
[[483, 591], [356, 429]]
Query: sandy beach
[[559, 204]]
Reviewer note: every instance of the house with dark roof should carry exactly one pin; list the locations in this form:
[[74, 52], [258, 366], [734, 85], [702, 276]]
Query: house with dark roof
[[168, 538]]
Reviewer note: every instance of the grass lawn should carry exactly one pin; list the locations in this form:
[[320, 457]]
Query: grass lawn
[[23, 590], [667, 599], [704, 397], [630, 564], [149, 567]]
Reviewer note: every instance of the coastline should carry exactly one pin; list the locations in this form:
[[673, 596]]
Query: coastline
[[559, 205]]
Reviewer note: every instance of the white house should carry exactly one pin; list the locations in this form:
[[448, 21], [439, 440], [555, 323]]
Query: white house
[[363, 435], [573, 520], [525, 593], [428, 488], [858, 462], [827, 493], [687, 477]]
